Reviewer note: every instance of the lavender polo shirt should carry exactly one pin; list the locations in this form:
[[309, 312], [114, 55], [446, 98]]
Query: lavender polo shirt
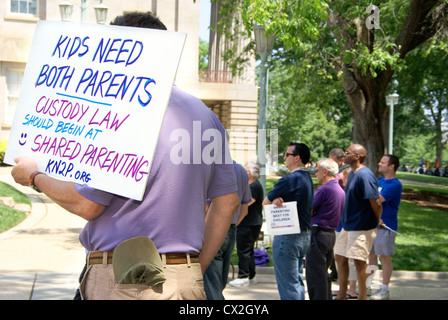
[[244, 193], [328, 205], [172, 212]]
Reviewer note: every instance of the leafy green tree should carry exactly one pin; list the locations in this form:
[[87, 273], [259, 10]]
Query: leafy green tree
[[360, 43], [295, 112], [203, 54], [424, 87], [416, 148]]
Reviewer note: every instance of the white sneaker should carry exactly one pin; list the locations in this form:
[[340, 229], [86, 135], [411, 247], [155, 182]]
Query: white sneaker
[[380, 294], [240, 282], [253, 280]]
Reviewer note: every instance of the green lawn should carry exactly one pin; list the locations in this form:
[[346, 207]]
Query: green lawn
[[8, 216], [423, 244], [422, 178]]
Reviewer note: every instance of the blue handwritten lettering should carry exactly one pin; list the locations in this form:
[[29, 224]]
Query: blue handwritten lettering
[[108, 83], [148, 81], [100, 50], [111, 49], [145, 103], [51, 79], [105, 52], [70, 128], [92, 133], [83, 176], [59, 167], [122, 49], [130, 61], [76, 44], [37, 122], [65, 169]]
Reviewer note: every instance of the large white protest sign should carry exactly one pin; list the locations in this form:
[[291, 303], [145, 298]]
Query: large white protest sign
[[282, 220], [92, 102]]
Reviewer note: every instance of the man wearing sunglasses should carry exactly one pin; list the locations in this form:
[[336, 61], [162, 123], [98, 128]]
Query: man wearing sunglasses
[[289, 250]]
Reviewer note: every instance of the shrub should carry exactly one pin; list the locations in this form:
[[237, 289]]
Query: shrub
[[3, 144]]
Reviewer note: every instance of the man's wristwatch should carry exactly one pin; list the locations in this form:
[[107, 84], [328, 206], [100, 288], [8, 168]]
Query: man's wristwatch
[[33, 175]]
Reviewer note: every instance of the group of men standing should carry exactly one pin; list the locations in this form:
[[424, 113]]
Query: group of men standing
[[342, 220]]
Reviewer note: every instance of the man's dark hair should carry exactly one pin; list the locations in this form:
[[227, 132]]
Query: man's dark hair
[[393, 160], [302, 150], [139, 19]]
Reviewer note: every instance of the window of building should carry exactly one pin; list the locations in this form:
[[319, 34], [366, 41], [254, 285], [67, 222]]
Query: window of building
[[28, 7], [14, 75]]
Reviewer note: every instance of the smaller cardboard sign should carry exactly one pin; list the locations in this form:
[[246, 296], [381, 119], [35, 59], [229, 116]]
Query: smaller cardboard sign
[[282, 220]]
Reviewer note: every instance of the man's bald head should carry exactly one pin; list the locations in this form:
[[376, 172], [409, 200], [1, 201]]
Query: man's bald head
[[358, 150]]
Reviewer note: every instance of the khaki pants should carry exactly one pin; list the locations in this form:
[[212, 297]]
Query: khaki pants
[[184, 282]]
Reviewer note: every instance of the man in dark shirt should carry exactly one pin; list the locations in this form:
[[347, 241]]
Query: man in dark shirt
[[289, 250], [360, 218], [248, 230]]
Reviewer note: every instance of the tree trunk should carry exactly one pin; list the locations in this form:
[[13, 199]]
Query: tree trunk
[[367, 129], [438, 119], [364, 96]]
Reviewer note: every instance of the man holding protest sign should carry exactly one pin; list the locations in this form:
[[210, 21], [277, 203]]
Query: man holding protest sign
[[150, 248], [289, 250]]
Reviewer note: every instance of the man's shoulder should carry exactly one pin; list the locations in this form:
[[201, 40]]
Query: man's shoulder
[[393, 183], [299, 174], [331, 187], [334, 185], [365, 172]]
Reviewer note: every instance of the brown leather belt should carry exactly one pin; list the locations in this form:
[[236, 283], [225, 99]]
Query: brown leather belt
[[96, 257]]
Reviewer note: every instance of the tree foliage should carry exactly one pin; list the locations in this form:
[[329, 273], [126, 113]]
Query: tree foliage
[[203, 54], [360, 45], [424, 91], [322, 123]]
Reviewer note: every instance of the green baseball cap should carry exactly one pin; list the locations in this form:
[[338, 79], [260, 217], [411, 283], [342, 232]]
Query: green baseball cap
[[137, 261]]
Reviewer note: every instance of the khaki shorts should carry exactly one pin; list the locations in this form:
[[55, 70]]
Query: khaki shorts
[[355, 244]]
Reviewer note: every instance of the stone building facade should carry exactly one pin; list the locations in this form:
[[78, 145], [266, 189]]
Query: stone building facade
[[233, 99]]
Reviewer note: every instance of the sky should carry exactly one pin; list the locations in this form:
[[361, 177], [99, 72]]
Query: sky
[[204, 19]]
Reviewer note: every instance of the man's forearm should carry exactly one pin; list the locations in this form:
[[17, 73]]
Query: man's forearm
[[377, 208], [62, 192], [217, 223]]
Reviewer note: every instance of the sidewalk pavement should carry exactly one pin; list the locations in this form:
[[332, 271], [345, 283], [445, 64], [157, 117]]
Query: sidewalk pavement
[[41, 259]]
